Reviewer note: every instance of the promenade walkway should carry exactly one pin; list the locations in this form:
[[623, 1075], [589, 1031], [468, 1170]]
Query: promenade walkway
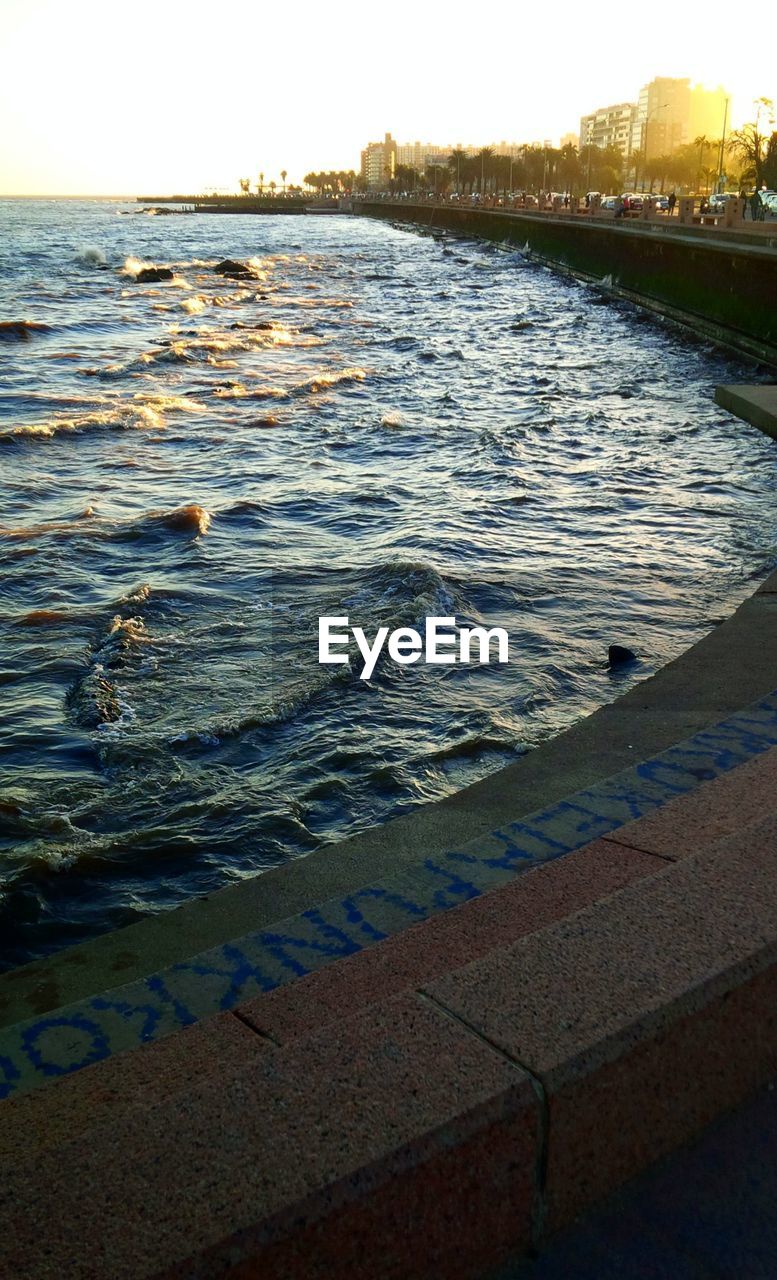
[[687, 216], [439, 1072], [704, 1213]]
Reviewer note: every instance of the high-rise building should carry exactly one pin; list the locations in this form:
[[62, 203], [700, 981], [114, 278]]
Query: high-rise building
[[414, 154], [609, 127], [379, 162], [505, 148], [671, 113]]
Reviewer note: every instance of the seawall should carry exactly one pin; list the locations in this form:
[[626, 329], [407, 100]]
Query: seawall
[[720, 283]]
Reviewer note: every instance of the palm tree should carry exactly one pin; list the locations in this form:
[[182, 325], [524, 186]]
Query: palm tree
[[702, 142], [485, 158], [283, 179], [569, 168], [261, 183], [457, 161], [751, 141], [273, 185]]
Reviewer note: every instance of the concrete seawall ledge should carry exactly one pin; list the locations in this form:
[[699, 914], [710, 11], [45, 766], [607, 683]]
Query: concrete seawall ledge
[[756, 405], [441, 1103]]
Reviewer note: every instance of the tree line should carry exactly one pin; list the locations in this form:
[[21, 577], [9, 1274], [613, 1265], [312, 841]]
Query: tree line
[[747, 157], [334, 182]]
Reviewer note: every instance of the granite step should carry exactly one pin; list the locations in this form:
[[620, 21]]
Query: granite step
[[431, 1131]]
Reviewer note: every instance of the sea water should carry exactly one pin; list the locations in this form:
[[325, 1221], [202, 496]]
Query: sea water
[[373, 422]]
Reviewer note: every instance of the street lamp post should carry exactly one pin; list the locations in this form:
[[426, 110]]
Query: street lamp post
[[719, 183]]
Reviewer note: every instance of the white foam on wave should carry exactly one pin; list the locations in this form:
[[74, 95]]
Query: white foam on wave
[[193, 306], [133, 265], [144, 412], [92, 257], [323, 381]]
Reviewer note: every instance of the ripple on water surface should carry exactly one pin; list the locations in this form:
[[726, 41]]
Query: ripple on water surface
[[299, 418]]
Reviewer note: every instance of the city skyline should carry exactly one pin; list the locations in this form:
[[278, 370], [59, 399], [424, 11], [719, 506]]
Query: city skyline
[[163, 104]]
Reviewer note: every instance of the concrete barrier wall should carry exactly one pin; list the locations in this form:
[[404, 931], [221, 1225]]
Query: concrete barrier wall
[[719, 286]]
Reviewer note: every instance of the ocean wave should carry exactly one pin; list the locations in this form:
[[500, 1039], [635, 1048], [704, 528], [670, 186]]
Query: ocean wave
[[281, 709], [60, 528], [96, 699], [92, 257], [404, 591], [21, 330], [44, 617], [133, 265], [473, 746], [313, 385], [193, 306], [211, 348], [239, 391], [324, 381], [192, 519], [144, 412]]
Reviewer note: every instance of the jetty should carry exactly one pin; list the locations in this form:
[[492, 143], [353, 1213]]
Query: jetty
[[268, 205]]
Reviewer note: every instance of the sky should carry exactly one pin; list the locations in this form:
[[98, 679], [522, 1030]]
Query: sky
[[163, 96]]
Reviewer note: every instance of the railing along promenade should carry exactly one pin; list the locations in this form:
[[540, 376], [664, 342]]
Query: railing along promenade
[[689, 211]]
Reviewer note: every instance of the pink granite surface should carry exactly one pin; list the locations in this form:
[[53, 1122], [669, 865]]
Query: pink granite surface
[[428, 1107]]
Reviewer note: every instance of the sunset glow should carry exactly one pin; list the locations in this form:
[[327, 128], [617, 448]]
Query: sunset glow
[[99, 98]]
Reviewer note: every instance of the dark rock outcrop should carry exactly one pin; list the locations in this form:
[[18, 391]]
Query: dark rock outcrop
[[152, 275], [231, 268], [618, 655]]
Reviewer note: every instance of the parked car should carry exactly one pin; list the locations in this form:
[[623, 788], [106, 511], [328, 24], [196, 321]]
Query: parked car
[[720, 199], [609, 202]]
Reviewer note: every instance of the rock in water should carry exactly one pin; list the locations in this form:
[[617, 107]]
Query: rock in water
[[231, 268], [152, 275], [618, 655]]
